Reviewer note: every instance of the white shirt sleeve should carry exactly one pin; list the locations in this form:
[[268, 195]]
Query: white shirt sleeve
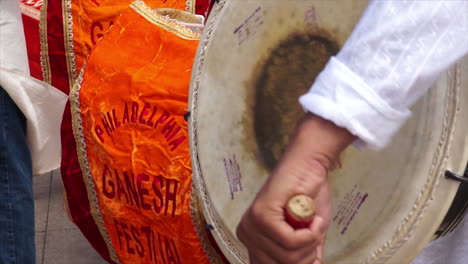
[[395, 53]]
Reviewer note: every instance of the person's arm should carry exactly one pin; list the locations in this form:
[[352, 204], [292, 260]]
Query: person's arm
[[312, 152]]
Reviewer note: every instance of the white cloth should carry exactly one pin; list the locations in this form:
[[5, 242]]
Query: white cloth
[[42, 104], [395, 53]]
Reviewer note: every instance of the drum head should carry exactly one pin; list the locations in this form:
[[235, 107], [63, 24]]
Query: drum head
[[255, 59]]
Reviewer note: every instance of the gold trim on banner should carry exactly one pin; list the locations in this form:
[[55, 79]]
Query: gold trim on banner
[[44, 45], [190, 6], [166, 23], [68, 41], [75, 86], [82, 157]]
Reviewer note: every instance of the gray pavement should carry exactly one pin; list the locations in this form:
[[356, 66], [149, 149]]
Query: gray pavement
[[58, 240]]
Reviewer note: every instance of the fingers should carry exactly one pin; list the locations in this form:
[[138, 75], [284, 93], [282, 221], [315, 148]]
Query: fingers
[[321, 220], [278, 243], [277, 229], [310, 259], [261, 258], [274, 227], [320, 249], [298, 246], [276, 252], [323, 206], [270, 238], [263, 228]]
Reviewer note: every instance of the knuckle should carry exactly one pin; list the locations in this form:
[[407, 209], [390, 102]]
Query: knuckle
[[293, 243], [320, 181], [290, 244], [292, 258], [307, 184], [256, 212]]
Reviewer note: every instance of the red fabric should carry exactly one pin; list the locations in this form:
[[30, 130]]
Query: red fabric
[[216, 247], [33, 46], [77, 196], [55, 41], [202, 7], [70, 170]]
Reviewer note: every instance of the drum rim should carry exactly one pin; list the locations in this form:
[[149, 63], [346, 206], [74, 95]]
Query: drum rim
[[408, 224]]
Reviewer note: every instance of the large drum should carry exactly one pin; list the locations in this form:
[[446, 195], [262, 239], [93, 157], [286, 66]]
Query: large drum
[[255, 59]]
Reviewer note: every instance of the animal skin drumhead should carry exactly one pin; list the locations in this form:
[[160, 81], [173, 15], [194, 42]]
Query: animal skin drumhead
[[254, 60]]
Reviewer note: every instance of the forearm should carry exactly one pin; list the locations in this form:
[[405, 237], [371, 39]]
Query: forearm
[[317, 144]]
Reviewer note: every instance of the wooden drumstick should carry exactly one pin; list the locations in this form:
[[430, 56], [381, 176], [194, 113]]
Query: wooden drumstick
[[299, 211]]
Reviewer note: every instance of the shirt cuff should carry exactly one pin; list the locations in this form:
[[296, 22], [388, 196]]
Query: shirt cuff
[[342, 97]]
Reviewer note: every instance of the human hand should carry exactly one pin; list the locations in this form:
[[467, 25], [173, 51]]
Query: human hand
[[264, 230], [302, 170]]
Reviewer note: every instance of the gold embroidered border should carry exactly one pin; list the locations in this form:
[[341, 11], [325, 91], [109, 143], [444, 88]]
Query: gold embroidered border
[[75, 83], [190, 6], [82, 158], [164, 22], [68, 41], [44, 44], [75, 86]]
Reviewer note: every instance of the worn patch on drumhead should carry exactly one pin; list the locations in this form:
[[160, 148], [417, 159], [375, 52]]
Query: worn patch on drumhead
[[287, 73]]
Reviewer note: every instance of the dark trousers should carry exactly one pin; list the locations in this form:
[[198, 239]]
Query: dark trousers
[[16, 195]]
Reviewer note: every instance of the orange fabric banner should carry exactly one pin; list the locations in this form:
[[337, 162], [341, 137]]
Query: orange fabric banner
[[88, 20], [128, 119], [73, 27], [58, 23]]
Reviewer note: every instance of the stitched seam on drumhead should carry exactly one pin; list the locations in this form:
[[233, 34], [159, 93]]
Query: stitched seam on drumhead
[[84, 165], [201, 191], [404, 231]]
